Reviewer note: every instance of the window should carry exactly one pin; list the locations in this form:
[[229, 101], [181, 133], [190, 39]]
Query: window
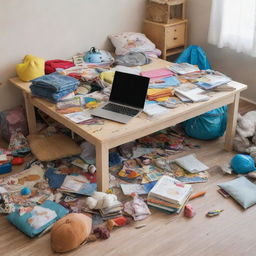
[[233, 25]]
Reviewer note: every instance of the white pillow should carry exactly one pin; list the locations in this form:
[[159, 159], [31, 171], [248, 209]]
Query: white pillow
[[126, 42]]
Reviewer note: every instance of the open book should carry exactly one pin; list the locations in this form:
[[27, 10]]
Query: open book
[[192, 92]]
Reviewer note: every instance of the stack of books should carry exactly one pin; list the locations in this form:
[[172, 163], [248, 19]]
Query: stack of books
[[169, 195], [112, 212]]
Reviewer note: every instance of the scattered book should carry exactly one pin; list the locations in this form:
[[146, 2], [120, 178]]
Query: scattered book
[[133, 188], [183, 68], [192, 92], [191, 164], [186, 177], [78, 184], [154, 109], [210, 81], [78, 117]]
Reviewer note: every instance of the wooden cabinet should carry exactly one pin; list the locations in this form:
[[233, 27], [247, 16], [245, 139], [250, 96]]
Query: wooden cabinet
[[170, 38]]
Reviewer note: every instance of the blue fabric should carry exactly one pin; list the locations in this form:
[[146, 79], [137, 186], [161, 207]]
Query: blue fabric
[[56, 82], [207, 126], [194, 55], [50, 95], [21, 222]]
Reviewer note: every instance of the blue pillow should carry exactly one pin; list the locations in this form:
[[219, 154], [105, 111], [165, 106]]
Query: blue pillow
[[21, 222], [242, 190]]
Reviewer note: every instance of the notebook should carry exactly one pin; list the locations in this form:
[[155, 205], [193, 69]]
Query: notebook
[[126, 99]]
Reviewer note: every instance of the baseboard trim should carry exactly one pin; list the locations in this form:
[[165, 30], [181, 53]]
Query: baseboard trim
[[250, 101]]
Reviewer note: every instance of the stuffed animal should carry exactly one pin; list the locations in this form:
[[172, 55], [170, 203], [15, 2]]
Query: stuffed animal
[[100, 200], [245, 139]]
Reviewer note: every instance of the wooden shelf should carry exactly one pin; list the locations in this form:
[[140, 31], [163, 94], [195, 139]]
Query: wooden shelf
[[173, 51]]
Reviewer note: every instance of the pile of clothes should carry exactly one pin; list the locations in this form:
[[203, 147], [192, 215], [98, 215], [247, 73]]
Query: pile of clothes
[[54, 86]]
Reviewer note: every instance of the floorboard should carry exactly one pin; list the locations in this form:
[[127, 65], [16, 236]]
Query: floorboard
[[232, 233]]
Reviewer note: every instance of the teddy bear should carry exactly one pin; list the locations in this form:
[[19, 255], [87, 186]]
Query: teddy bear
[[100, 200], [245, 138]]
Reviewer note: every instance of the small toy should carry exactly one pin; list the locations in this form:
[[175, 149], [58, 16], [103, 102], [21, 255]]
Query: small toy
[[189, 211], [213, 213], [25, 191], [17, 160], [196, 195]]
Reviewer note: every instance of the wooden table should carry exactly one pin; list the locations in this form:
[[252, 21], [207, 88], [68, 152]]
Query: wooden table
[[113, 134]]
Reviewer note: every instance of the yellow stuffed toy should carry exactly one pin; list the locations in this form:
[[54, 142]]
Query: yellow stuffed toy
[[31, 68]]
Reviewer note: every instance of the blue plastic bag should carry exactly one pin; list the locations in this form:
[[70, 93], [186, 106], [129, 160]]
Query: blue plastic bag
[[207, 126], [194, 55]]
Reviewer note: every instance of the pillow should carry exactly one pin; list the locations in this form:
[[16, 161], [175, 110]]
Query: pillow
[[242, 190], [40, 218], [131, 42], [52, 147]]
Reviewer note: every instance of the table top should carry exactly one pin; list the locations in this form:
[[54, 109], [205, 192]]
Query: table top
[[113, 134]]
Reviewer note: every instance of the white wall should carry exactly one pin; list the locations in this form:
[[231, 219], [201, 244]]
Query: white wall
[[58, 28], [239, 67]]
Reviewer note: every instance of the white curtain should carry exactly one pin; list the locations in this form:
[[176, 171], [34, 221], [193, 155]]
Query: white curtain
[[233, 25]]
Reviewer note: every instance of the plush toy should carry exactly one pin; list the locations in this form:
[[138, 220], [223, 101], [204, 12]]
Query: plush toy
[[245, 139], [100, 200]]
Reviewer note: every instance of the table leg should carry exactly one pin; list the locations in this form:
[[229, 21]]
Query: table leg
[[31, 116], [102, 167], [232, 121]]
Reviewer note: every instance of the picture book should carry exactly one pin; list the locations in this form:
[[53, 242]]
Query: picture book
[[191, 164], [78, 184], [187, 177], [170, 190], [164, 82], [192, 92], [183, 68], [133, 188], [78, 117], [210, 81]]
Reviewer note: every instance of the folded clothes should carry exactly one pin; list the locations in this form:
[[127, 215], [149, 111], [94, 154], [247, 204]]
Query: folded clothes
[[52, 65], [55, 82], [50, 95], [153, 94]]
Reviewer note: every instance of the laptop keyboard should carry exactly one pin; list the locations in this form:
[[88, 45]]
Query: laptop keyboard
[[121, 109]]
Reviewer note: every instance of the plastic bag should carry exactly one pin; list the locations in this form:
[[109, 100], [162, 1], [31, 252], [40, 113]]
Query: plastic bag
[[207, 126]]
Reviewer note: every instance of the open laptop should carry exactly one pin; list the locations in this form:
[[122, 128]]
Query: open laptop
[[126, 99]]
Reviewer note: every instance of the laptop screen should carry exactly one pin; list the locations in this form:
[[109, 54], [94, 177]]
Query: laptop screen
[[129, 89]]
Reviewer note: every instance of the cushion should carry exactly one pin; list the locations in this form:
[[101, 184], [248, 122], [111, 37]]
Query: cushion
[[70, 232], [131, 42], [40, 218], [32, 67], [242, 190], [52, 147]]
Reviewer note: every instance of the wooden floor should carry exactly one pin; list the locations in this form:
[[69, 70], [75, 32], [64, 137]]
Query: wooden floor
[[230, 234]]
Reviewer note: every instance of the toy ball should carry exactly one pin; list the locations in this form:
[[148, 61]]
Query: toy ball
[[241, 163], [25, 191]]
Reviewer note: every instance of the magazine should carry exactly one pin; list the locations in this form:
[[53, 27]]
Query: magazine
[[192, 92], [183, 68]]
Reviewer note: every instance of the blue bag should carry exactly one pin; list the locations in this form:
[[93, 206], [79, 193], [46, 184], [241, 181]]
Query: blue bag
[[194, 55], [207, 126]]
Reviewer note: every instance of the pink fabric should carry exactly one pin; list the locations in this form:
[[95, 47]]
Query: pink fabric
[[157, 73]]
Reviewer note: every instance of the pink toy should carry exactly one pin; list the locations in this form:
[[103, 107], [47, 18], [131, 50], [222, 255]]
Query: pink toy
[[189, 211]]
